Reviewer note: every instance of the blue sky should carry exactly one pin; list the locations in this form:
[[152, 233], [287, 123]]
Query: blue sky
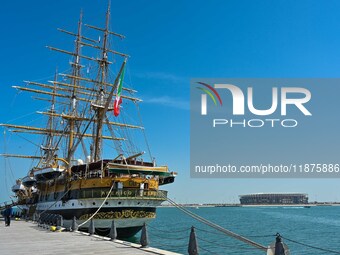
[[171, 41]]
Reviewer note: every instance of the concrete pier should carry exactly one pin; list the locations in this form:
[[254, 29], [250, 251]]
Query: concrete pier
[[23, 238]]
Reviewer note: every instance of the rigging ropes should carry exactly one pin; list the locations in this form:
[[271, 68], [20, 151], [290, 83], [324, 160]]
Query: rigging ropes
[[311, 246], [55, 202], [141, 123], [100, 207], [217, 227]]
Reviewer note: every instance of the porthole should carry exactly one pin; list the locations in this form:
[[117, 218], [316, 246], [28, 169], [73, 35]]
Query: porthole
[[94, 203], [119, 202], [106, 203]]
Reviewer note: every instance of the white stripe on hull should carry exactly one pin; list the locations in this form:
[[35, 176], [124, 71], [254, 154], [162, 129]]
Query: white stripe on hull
[[96, 202]]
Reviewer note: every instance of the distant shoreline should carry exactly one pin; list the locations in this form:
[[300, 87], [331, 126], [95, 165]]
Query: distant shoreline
[[255, 205]]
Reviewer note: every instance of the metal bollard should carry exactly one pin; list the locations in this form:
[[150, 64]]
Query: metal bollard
[[45, 216], [49, 220], [55, 220], [60, 221], [91, 228], [40, 221], [144, 239], [113, 231], [193, 245], [74, 226], [279, 249], [52, 220]]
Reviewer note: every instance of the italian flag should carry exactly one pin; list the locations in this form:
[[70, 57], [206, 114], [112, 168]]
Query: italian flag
[[118, 100]]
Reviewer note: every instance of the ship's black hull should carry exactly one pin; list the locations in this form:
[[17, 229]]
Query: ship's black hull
[[133, 218]]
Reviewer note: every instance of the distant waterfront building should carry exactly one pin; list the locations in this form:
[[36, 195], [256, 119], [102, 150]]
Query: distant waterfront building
[[273, 198]]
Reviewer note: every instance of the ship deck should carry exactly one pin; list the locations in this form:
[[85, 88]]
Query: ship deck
[[27, 238]]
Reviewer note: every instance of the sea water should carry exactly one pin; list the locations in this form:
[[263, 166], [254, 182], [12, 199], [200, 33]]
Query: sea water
[[317, 226]]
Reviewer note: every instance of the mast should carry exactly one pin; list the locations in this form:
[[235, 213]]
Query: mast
[[76, 67], [48, 148], [100, 112], [50, 124], [81, 95]]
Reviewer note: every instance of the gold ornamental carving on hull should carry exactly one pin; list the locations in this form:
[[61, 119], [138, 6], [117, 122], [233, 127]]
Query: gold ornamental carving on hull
[[124, 214]]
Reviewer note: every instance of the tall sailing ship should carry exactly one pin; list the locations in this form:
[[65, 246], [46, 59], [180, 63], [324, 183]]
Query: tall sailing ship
[[86, 110]]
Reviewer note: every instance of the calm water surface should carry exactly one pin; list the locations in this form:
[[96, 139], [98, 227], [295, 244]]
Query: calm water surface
[[317, 226]]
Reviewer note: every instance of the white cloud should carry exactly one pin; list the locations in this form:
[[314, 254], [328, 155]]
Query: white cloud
[[163, 76], [168, 101]]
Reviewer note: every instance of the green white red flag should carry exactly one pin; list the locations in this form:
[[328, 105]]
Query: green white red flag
[[118, 100]]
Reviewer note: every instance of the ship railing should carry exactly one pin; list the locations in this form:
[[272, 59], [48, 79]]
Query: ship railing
[[115, 193], [122, 193], [138, 193]]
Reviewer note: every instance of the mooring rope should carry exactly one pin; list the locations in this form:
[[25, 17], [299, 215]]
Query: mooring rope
[[311, 246], [226, 246], [170, 232], [217, 227], [100, 207]]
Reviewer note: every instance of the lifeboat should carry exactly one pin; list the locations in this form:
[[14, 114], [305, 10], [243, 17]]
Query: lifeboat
[[47, 173], [18, 187], [29, 181]]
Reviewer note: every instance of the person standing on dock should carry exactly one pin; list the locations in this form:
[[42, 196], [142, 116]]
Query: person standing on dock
[[7, 215]]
